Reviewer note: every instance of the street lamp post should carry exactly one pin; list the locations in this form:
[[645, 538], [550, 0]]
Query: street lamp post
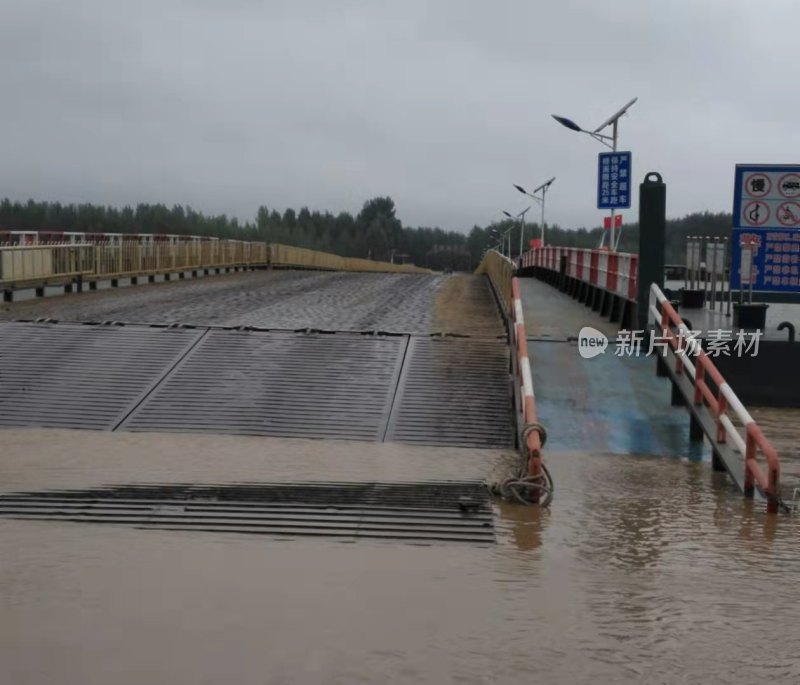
[[494, 234], [507, 233], [521, 217], [608, 141], [543, 190]]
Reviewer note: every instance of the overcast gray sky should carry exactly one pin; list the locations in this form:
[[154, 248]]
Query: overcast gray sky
[[228, 104]]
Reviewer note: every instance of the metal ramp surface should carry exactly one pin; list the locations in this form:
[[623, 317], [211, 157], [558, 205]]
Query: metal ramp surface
[[607, 404], [279, 384], [449, 394], [275, 383], [57, 376], [443, 511], [549, 313]]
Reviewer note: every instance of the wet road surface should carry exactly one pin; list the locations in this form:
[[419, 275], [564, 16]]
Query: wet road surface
[[332, 301], [552, 314], [645, 570], [609, 404]]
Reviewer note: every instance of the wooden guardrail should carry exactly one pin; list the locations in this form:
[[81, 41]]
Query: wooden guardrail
[[289, 256], [500, 271], [31, 264]]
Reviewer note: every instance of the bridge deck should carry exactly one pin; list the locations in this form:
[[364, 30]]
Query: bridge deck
[[292, 300], [608, 404], [551, 313], [332, 381], [449, 391]]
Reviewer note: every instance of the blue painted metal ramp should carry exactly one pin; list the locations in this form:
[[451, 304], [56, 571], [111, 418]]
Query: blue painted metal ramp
[[607, 404]]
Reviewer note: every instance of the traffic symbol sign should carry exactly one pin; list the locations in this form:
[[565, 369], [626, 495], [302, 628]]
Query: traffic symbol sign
[[788, 214], [789, 185], [757, 185], [756, 213], [765, 245]]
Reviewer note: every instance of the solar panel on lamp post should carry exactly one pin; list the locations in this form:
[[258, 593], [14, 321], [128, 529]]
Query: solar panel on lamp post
[[608, 141], [543, 190], [521, 217]]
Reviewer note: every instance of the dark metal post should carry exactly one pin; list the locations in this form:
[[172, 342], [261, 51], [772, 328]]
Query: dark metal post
[[652, 226]]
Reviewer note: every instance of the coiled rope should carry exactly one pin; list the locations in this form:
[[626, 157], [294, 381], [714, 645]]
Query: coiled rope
[[524, 488]]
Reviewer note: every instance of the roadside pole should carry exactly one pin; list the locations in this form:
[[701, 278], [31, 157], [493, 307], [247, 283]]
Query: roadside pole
[[652, 231]]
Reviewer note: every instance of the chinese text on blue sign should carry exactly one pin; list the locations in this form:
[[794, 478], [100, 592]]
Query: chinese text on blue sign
[[614, 180], [766, 222]]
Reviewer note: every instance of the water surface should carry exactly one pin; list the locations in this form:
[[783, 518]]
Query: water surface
[[645, 570]]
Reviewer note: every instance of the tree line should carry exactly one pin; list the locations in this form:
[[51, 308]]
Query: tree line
[[374, 233]]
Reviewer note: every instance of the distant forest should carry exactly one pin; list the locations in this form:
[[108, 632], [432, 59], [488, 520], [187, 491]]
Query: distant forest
[[375, 232]]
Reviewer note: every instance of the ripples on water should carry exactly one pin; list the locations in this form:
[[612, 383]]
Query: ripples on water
[[645, 570], [669, 576]]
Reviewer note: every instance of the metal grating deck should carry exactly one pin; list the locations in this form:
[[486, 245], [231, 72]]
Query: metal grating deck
[[57, 376], [414, 512], [429, 391], [279, 384], [454, 392]]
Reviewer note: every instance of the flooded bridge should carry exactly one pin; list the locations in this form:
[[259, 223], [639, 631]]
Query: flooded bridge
[[224, 434]]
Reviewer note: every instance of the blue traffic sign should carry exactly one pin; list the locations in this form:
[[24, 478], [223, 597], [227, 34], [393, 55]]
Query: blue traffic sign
[[614, 180], [774, 259], [766, 224]]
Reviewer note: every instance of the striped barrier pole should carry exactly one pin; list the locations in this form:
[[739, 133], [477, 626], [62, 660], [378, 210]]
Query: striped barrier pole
[[533, 434], [719, 404]]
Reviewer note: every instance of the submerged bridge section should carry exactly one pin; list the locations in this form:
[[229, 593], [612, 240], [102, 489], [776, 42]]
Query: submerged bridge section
[[422, 359], [401, 380]]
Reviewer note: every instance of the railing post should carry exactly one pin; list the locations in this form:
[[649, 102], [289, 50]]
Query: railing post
[[772, 491], [722, 407], [749, 459], [699, 377]]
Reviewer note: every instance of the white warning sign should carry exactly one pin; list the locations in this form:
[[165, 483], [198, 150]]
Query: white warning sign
[[767, 197]]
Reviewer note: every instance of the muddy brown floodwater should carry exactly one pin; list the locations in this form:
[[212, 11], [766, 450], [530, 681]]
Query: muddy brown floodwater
[[645, 570]]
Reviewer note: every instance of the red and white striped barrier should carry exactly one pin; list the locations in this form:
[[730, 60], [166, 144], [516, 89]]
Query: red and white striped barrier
[[533, 433], [616, 272], [719, 402]]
